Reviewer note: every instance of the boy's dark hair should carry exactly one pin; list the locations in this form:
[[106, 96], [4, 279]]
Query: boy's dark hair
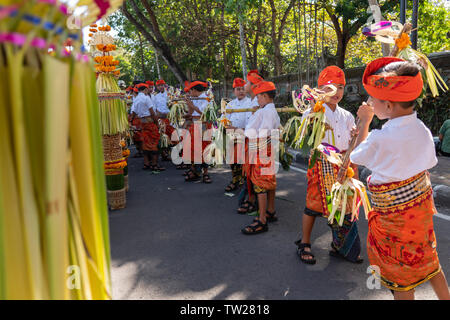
[[400, 68], [142, 88], [135, 82], [272, 94]]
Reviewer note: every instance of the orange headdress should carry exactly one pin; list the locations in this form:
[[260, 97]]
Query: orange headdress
[[391, 88], [331, 74]]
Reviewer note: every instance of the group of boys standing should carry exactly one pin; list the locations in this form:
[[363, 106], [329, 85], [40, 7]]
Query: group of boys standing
[[401, 241], [148, 117]]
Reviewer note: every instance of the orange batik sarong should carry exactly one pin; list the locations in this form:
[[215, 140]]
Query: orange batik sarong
[[204, 126], [321, 177], [401, 240], [150, 136], [137, 134], [259, 167]]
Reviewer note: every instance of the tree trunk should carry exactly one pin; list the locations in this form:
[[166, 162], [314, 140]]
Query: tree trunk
[[243, 53], [157, 65], [146, 28], [341, 50]]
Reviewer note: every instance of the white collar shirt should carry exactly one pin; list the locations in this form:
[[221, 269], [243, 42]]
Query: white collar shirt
[[239, 119], [342, 122], [160, 101], [403, 148], [262, 122], [142, 105]]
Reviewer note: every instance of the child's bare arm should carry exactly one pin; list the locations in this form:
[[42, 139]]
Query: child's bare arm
[[365, 114]]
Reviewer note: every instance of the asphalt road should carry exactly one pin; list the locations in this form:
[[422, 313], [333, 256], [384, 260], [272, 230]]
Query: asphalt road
[[178, 240]]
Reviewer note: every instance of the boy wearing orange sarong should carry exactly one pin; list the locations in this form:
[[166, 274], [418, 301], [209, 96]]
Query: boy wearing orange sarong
[[323, 174], [401, 243], [259, 167], [196, 107]]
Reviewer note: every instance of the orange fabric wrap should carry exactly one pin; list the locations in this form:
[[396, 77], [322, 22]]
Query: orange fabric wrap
[[150, 135], [331, 74], [255, 163], [402, 242], [396, 88]]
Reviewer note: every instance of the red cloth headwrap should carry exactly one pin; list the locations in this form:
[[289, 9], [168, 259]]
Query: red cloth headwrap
[[238, 82], [394, 88], [331, 74], [263, 86]]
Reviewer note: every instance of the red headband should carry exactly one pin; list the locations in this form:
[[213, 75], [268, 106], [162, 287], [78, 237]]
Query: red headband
[[195, 83], [142, 85], [254, 77], [160, 82], [393, 88], [150, 83], [263, 86], [331, 74], [238, 82]]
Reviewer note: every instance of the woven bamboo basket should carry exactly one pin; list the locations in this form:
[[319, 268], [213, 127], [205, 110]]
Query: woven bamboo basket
[[117, 199], [111, 147], [125, 178]]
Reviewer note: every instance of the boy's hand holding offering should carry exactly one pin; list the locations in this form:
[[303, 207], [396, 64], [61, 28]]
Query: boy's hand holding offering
[[365, 113]]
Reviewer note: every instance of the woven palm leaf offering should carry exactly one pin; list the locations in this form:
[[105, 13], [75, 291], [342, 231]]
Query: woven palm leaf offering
[[313, 127], [345, 188], [53, 212], [178, 107]]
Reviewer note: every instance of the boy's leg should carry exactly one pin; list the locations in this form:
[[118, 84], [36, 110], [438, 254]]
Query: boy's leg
[[440, 286], [262, 204], [404, 295], [271, 201], [146, 158]]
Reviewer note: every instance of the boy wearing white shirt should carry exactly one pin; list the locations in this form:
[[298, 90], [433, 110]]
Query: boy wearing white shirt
[[401, 240], [253, 78], [322, 175], [238, 121], [260, 163], [196, 107], [160, 101]]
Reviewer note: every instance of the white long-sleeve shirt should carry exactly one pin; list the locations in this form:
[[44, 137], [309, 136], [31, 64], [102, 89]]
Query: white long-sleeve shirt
[[342, 122], [403, 148], [142, 105], [239, 119], [262, 122]]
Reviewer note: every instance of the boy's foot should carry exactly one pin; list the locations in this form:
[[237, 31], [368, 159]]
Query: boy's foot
[[206, 178], [255, 228], [246, 207], [304, 252]]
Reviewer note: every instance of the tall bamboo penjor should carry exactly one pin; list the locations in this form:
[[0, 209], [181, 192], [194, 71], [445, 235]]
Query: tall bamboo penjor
[[113, 114]]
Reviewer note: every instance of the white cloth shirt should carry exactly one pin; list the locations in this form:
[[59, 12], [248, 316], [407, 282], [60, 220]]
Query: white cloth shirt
[[239, 119], [201, 104], [160, 102], [403, 148], [262, 122], [342, 122], [253, 102], [142, 105]]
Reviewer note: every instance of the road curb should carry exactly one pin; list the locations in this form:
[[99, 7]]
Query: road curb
[[441, 193]]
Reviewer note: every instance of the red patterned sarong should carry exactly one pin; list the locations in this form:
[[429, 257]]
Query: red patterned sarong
[[150, 133], [401, 239], [205, 126], [169, 128], [259, 167], [137, 135]]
